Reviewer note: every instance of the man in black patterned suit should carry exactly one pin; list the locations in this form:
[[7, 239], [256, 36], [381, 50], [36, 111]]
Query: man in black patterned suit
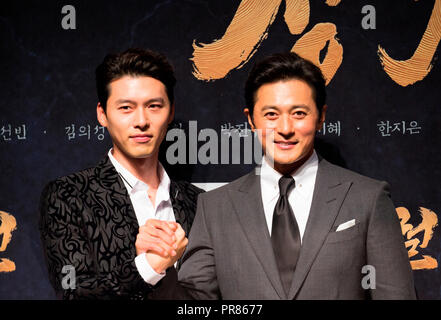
[[92, 221]]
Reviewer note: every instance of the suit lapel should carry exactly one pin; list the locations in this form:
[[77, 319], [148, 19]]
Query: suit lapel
[[247, 202], [328, 196], [184, 209], [177, 198], [113, 184], [121, 208]]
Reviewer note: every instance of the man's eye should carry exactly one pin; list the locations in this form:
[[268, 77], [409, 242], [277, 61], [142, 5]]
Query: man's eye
[[155, 106], [299, 113], [270, 114], [124, 107]]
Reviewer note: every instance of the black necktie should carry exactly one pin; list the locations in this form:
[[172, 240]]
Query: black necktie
[[285, 234]]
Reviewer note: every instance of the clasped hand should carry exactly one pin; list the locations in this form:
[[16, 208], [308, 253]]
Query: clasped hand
[[163, 242]]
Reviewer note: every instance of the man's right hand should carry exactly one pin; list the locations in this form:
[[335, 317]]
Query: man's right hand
[[157, 236], [163, 242], [160, 263]]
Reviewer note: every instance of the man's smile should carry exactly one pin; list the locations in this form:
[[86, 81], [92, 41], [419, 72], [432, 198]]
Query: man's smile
[[141, 137], [285, 144]]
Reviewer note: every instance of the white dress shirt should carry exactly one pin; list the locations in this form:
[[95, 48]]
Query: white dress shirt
[[300, 197], [144, 209]]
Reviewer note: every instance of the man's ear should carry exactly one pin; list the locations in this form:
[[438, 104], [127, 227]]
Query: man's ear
[[322, 117], [101, 115], [249, 116], [172, 113]]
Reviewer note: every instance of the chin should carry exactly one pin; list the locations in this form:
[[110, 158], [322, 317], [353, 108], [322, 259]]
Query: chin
[[286, 160], [144, 155], [139, 154], [285, 163], [143, 152]]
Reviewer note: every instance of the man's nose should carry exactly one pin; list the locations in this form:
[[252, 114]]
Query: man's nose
[[285, 126], [142, 120]]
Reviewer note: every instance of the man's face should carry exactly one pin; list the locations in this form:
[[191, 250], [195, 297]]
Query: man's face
[[287, 119], [137, 115]]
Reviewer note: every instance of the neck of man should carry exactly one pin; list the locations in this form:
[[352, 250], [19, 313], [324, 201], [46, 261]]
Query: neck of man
[[144, 169], [291, 168]]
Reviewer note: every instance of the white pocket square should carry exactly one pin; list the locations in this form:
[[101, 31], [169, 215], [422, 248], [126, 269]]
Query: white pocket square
[[345, 225]]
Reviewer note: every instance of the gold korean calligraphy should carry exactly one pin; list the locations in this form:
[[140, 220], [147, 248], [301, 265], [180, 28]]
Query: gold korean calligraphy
[[253, 19], [417, 67], [7, 225], [250, 26], [310, 45], [429, 221]]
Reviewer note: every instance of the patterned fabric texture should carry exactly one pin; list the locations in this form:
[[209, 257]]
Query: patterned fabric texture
[[87, 221]]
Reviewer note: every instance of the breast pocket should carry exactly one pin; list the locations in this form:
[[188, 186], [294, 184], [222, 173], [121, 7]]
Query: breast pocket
[[344, 235]]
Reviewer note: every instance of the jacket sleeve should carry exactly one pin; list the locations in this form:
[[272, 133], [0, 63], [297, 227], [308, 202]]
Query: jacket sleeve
[[386, 251], [198, 272], [66, 245], [196, 278]]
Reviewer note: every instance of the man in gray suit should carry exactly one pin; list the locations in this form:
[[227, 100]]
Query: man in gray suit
[[298, 227]]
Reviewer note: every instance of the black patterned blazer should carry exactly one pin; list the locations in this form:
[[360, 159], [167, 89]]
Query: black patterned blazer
[[87, 221]]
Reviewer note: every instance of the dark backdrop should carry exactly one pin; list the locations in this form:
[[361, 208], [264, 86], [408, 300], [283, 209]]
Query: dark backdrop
[[47, 84]]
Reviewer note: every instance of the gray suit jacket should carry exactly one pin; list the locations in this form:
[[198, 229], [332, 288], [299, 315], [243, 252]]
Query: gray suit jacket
[[229, 255]]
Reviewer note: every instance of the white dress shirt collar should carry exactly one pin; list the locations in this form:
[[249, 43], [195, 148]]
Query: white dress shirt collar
[[304, 177], [134, 185]]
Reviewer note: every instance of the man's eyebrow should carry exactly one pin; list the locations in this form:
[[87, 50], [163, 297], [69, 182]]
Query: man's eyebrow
[[122, 101], [291, 108], [158, 99]]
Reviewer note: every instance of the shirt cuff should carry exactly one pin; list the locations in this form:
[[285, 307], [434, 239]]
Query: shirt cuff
[[146, 271]]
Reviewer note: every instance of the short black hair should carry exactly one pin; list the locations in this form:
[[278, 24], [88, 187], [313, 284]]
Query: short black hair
[[282, 67], [134, 62]]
